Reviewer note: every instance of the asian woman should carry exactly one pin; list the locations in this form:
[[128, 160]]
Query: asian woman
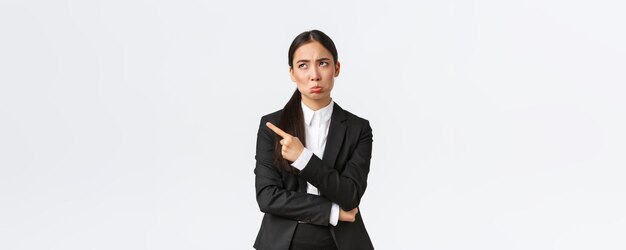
[[312, 159]]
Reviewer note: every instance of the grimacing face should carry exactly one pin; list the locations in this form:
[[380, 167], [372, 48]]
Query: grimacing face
[[314, 72]]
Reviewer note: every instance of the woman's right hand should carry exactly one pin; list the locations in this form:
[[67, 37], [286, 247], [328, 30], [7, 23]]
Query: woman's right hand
[[348, 216]]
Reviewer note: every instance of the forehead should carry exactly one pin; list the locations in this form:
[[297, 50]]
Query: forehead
[[311, 50]]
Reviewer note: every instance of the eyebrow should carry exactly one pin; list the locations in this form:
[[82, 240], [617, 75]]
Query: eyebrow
[[321, 59]]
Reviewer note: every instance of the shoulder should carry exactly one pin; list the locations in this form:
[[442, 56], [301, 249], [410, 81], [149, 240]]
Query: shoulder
[[354, 120], [264, 134], [273, 117]]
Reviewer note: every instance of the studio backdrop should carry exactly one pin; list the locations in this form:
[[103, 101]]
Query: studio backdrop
[[132, 124]]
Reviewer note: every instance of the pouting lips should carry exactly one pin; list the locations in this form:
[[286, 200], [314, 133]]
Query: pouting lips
[[316, 89]]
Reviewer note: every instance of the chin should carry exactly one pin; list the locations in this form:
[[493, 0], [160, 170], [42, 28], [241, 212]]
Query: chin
[[318, 96]]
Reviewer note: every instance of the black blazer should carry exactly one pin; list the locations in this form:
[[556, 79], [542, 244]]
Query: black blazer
[[341, 177]]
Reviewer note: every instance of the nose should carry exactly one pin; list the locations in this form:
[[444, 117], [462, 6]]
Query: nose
[[315, 74]]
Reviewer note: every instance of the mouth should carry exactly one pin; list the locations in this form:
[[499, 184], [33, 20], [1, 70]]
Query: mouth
[[316, 89]]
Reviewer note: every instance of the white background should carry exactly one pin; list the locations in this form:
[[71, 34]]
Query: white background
[[132, 124]]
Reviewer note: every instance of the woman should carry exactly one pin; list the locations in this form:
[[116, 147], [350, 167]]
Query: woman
[[312, 159]]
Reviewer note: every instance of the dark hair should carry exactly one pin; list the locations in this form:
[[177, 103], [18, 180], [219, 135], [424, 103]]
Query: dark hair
[[291, 117]]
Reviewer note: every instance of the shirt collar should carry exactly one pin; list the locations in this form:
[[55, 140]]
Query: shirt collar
[[324, 113]]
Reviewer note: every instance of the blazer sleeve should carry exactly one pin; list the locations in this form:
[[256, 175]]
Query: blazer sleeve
[[271, 194], [346, 188]]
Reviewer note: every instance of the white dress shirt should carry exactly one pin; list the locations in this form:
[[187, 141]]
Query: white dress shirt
[[316, 125]]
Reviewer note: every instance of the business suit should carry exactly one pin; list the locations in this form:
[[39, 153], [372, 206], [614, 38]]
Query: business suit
[[341, 178]]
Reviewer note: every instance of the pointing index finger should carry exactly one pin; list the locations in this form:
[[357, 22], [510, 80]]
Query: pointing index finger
[[277, 130]]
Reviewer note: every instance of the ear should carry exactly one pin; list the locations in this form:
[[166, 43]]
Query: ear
[[337, 68], [293, 78]]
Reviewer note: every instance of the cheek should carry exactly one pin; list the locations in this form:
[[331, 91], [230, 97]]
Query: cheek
[[301, 81], [329, 73], [300, 77]]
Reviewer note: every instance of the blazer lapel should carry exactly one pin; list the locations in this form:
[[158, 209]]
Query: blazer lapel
[[336, 133]]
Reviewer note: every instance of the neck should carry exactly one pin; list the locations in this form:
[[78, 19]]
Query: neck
[[316, 104]]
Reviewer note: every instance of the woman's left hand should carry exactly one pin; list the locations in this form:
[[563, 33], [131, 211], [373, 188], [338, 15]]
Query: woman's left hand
[[292, 147]]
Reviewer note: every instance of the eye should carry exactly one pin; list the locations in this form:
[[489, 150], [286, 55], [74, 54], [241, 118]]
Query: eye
[[302, 66], [323, 63]]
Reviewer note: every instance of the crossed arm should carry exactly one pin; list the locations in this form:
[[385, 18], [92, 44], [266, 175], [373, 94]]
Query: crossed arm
[[273, 198]]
